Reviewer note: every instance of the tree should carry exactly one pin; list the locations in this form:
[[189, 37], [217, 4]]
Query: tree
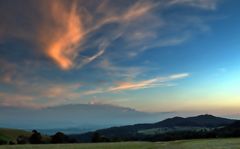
[[22, 140], [11, 143], [96, 137], [2, 142], [35, 138], [60, 137]]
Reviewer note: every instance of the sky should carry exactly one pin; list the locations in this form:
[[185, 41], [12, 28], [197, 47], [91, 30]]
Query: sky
[[155, 55]]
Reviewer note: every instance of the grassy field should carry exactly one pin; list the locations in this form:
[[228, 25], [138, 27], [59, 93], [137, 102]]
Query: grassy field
[[189, 144]]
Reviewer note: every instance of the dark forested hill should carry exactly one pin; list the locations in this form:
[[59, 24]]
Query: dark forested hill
[[198, 121], [175, 124]]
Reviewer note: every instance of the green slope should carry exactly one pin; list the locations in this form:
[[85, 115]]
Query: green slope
[[11, 134]]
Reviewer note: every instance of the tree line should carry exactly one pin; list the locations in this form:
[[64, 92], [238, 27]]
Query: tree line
[[36, 137]]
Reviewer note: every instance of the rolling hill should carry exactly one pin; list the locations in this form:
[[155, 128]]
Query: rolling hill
[[7, 134], [175, 124]]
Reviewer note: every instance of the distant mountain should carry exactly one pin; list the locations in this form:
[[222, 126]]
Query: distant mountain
[[197, 123], [75, 118]]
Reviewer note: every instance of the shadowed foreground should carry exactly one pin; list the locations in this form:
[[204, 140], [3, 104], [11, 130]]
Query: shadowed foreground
[[190, 144]]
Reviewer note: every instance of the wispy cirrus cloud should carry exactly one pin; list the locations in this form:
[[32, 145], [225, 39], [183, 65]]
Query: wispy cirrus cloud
[[158, 81], [204, 4], [112, 14], [120, 72], [136, 85]]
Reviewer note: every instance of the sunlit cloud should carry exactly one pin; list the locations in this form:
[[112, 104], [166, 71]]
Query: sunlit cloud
[[63, 27], [154, 82], [133, 86], [147, 83], [66, 35]]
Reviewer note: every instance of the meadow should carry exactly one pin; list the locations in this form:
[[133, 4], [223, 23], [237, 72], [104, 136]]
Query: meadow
[[185, 144]]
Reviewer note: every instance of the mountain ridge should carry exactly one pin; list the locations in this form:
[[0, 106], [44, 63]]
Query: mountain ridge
[[196, 123]]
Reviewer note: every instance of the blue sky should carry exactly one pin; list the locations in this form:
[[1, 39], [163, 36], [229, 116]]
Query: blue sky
[[166, 55]]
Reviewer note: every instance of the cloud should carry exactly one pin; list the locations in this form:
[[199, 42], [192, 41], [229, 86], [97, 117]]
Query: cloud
[[154, 82], [147, 83], [56, 28], [177, 76], [91, 92], [73, 34], [66, 91], [120, 72], [138, 10], [121, 14], [66, 34], [133, 86], [18, 100], [8, 73], [61, 29], [32, 95], [85, 59], [204, 4]]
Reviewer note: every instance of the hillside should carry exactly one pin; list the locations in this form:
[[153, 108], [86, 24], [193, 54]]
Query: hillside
[[8, 134], [232, 130], [202, 121], [197, 121], [175, 124]]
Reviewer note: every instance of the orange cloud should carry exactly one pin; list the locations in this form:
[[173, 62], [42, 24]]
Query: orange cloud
[[62, 34], [132, 86], [68, 32]]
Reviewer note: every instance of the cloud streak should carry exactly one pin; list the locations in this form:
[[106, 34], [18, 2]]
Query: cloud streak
[[127, 86], [203, 4], [147, 83]]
